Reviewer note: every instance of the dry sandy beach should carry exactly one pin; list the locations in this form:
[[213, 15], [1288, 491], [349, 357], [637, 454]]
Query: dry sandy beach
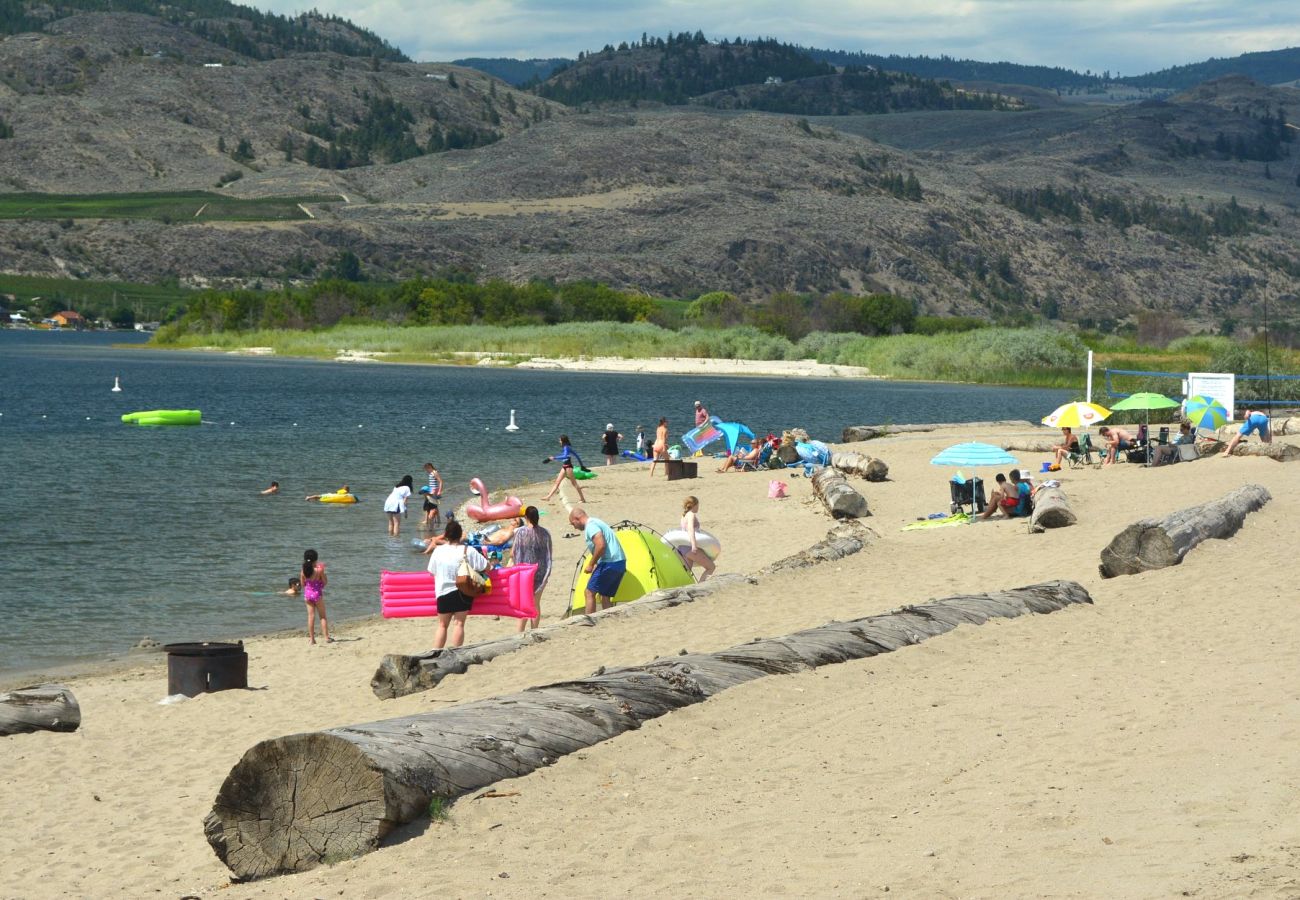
[[1144, 746]]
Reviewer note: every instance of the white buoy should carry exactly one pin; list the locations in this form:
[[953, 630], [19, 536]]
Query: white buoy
[[512, 426], [117, 385]]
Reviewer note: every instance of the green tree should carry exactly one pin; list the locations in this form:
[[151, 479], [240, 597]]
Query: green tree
[[243, 151], [718, 309], [345, 265]]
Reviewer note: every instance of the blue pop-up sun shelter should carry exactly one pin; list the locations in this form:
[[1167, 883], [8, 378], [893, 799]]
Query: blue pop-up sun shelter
[[715, 429]]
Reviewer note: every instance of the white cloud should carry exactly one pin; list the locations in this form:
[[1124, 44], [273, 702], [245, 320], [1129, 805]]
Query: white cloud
[[1131, 36]]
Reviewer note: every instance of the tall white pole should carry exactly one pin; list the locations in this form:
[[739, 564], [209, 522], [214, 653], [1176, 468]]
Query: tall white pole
[[1089, 397]]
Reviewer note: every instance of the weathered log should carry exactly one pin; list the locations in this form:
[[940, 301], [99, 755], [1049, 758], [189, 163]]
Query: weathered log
[[293, 802], [41, 707], [1276, 451], [1157, 543], [867, 467], [1051, 510], [400, 674], [845, 539], [1027, 444], [855, 433], [841, 500]]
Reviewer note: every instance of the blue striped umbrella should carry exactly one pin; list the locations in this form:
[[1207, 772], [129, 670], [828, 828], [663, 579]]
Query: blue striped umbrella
[[974, 455]]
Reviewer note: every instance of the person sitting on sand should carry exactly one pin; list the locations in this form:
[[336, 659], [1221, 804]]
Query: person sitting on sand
[[1117, 440], [1251, 420], [1069, 444], [273, 489], [749, 456], [1011, 497]]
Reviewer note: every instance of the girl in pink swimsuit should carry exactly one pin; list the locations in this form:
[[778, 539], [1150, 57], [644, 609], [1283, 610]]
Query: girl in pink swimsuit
[[313, 594]]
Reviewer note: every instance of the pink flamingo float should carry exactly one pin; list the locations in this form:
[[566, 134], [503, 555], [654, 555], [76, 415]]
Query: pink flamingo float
[[508, 508]]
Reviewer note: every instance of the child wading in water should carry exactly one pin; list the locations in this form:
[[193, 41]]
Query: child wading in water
[[313, 594]]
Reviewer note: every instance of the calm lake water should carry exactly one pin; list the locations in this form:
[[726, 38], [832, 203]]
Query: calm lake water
[[110, 533]]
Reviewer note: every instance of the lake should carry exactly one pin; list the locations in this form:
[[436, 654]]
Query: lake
[[111, 532]]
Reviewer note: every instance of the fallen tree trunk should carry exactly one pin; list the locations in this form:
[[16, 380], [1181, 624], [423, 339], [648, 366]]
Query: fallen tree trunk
[[843, 540], [293, 802], [42, 707], [1277, 450], [860, 464], [854, 433], [401, 674], [1157, 543], [1032, 444], [839, 497], [1051, 510]]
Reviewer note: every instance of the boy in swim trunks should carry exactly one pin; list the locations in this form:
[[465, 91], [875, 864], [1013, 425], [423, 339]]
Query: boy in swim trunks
[[1251, 420]]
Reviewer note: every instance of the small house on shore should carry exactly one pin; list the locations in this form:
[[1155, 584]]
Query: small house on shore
[[68, 319]]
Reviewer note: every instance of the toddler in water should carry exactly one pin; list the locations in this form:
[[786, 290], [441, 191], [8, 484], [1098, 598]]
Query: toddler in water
[[313, 594]]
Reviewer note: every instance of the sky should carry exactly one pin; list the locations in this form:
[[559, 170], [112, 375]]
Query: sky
[[1126, 37]]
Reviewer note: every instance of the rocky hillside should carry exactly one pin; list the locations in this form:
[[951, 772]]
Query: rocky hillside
[[1075, 213], [243, 30], [124, 101]]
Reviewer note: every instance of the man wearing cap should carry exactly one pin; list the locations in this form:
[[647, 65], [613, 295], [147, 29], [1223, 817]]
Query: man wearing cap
[[701, 414], [609, 444]]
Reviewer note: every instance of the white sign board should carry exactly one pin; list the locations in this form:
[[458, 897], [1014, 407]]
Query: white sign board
[[1220, 386]]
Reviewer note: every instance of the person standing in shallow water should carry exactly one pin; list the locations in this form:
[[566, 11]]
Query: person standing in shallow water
[[313, 594], [609, 444]]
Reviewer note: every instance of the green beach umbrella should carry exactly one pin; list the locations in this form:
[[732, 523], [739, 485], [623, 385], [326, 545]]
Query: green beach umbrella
[[1145, 401]]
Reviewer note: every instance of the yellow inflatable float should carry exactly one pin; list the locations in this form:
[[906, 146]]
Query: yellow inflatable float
[[342, 495], [651, 565]]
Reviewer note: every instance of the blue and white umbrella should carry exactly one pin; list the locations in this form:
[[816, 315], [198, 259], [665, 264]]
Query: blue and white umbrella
[[974, 455]]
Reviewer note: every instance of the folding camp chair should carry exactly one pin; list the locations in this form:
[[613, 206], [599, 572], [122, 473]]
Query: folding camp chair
[[1140, 450], [1083, 456], [747, 465]]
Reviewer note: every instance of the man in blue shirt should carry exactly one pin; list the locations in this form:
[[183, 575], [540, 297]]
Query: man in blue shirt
[[607, 564]]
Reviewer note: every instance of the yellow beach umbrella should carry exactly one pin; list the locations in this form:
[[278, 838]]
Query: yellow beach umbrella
[[1077, 415]]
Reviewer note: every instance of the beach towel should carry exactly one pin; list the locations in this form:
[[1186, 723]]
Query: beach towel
[[955, 519]]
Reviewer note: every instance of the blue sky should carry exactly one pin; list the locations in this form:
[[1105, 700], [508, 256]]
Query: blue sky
[[1122, 36]]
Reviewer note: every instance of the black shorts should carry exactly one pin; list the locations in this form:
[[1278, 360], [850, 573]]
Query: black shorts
[[454, 602], [430, 503]]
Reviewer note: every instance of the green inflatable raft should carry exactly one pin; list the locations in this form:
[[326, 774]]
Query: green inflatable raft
[[155, 417]]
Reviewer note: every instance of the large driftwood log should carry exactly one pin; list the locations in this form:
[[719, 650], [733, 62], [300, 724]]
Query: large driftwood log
[[855, 433], [401, 674], [1277, 450], [843, 540], [292, 802], [1051, 510], [860, 464], [1157, 543], [841, 500], [1028, 444], [42, 707]]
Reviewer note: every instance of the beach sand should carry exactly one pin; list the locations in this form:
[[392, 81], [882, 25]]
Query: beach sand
[[1144, 746]]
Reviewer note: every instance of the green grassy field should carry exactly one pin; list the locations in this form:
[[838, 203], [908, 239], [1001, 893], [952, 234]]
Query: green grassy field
[[177, 206], [150, 300]]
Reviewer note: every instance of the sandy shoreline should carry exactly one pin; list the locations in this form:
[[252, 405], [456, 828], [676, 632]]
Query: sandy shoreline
[[1141, 746], [661, 365]]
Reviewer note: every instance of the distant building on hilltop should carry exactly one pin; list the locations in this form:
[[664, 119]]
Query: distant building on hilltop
[[773, 79]]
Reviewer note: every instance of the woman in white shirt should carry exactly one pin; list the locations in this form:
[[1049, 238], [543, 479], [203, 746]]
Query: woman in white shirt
[[445, 556], [395, 505]]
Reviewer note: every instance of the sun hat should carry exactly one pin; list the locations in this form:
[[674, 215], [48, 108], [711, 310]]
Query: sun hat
[[609, 427], [698, 403]]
